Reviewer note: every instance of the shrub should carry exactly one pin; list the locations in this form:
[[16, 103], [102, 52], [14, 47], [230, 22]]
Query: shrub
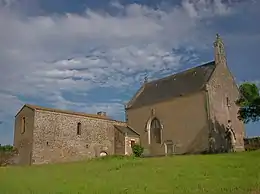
[[137, 150], [6, 148], [7, 155]]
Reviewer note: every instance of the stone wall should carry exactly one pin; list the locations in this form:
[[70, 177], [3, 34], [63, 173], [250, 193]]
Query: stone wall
[[119, 143], [223, 94], [184, 121], [23, 132], [56, 138]]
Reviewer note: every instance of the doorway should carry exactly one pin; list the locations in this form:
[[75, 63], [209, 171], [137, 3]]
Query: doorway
[[169, 148]]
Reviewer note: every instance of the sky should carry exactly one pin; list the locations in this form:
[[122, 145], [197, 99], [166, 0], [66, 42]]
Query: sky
[[91, 56]]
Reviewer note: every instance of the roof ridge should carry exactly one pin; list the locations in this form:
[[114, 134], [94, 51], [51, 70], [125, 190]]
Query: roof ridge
[[36, 107], [175, 74], [58, 110]]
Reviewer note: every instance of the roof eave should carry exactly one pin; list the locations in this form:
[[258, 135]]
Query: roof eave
[[133, 130], [131, 102], [34, 108]]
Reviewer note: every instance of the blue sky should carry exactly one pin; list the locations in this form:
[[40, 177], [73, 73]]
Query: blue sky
[[88, 56]]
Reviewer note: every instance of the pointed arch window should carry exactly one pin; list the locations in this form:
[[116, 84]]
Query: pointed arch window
[[156, 130]]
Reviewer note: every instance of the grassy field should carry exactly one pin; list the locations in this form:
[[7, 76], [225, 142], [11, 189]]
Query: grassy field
[[237, 173]]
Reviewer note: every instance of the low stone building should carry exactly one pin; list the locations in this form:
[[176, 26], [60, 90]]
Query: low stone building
[[44, 135]]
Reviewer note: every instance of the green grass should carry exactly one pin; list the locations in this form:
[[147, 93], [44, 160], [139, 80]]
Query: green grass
[[237, 173]]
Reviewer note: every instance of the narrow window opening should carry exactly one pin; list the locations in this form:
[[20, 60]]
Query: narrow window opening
[[47, 143], [79, 129], [228, 102], [23, 125]]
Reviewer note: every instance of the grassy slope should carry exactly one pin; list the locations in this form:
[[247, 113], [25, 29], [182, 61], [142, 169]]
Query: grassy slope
[[228, 173]]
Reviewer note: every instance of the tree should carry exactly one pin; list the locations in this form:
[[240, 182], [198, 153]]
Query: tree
[[249, 102]]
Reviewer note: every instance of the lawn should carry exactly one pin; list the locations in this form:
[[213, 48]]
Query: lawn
[[237, 173]]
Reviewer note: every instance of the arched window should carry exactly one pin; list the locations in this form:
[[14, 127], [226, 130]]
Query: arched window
[[156, 130], [103, 153]]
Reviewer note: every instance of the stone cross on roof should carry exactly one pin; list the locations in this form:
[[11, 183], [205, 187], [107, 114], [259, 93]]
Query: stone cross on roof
[[219, 44], [217, 36], [218, 39], [146, 78]]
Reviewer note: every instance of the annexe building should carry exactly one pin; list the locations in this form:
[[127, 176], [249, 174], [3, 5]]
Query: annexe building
[[44, 135]]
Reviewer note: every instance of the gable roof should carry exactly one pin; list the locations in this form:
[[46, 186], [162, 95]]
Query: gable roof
[[183, 83], [35, 107], [126, 130]]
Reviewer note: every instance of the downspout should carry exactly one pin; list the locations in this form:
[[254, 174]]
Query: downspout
[[126, 143], [208, 110], [147, 128]]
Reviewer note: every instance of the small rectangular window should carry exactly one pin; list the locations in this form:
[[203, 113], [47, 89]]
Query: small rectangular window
[[79, 129], [228, 102], [23, 125]]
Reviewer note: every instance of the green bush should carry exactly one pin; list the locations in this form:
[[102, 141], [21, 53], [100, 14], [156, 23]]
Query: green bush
[[137, 150], [7, 155], [6, 148]]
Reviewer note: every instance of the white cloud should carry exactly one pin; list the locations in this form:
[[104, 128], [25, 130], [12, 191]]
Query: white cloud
[[257, 83], [9, 104], [116, 4], [115, 46], [206, 8], [113, 109]]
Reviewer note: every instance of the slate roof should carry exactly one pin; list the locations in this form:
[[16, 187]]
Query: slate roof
[[183, 83], [126, 130]]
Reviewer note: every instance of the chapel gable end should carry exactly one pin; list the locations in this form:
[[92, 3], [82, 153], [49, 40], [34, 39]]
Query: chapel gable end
[[222, 79]]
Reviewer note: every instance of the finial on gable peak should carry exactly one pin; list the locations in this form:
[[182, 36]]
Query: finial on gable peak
[[218, 40], [220, 56], [145, 78]]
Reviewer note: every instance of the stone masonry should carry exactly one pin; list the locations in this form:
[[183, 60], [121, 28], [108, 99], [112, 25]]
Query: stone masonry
[[223, 93], [44, 135], [56, 140]]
